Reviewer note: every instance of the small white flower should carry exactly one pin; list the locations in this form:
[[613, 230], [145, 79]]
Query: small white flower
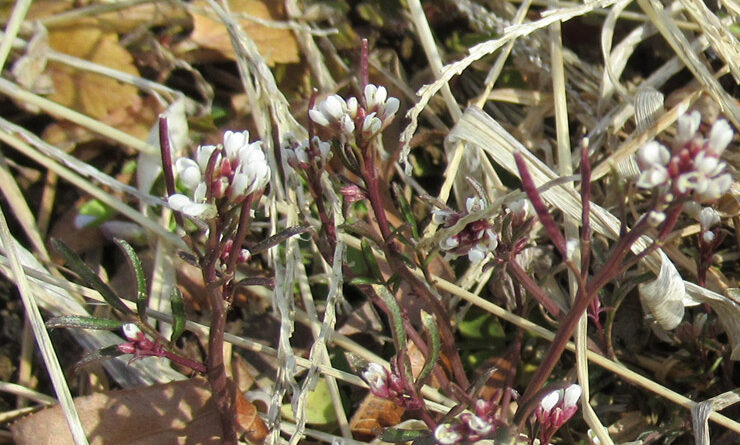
[[653, 177], [377, 100], [715, 187], [477, 254], [719, 137], [708, 164], [376, 376], [329, 111], [688, 124], [653, 153], [521, 208], [441, 216], [371, 125], [474, 204], [352, 106], [446, 434], [708, 237], [449, 243], [234, 142], [196, 207]]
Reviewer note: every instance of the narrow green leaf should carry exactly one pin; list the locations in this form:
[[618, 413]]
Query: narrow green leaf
[[178, 314], [430, 325], [408, 214], [142, 296], [77, 321], [397, 435], [399, 331], [359, 281], [369, 257], [106, 353], [87, 275]]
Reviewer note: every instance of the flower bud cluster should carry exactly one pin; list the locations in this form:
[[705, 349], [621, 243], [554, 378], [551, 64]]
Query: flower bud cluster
[[469, 427], [231, 171], [301, 154], [475, 240], [556, 408], [693, 167], [355, 121], [389, 385]]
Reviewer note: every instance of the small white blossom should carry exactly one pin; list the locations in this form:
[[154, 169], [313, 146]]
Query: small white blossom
[[479, 425], [571, 396], [189, 172], [376, 376], [377, 100], [550, 400], [447, 434]]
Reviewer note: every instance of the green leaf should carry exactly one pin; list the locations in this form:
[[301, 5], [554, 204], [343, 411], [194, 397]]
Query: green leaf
[[97, 211], [87, 275], [106, 353], [319, 406], [142, 296], [397, 435], [178, 314], [369, 257], [359, 281], [399, 331], [480, 326], [408, 214], [430, 325], [81, 322]]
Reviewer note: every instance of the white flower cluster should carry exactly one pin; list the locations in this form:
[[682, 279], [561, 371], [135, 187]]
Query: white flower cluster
[[694, 166], [345, 117], [476, 240], [237, 169], [470, 427]]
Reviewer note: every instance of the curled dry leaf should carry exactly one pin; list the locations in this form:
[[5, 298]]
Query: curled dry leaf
[[666, 295]]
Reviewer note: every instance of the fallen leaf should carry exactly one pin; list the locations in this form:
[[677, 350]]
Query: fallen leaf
[[91, 94], [171, 413], [277, 45]]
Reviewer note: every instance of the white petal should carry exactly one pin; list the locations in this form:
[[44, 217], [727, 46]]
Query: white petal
[[391, 107], [130, 330], [178, 201], [550, 400], [333, 106], [653, 153], [318, 117], [203, 155], [234, 141], [476, 254], [571, 395]]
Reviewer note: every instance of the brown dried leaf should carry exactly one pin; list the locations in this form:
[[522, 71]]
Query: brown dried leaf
[[276, 45], [248, 421], [92, 94], [177, 412]]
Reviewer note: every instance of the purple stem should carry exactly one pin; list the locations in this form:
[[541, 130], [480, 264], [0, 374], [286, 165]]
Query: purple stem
[[539, 205], [166, 152], [364, 66]]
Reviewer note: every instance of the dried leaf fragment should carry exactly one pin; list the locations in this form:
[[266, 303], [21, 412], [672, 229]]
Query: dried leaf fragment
[[277, 45]]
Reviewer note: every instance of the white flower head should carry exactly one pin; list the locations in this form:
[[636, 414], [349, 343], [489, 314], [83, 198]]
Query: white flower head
[[479, 425], [655, 218], [234, 142], [377, 101], [332, 112]]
